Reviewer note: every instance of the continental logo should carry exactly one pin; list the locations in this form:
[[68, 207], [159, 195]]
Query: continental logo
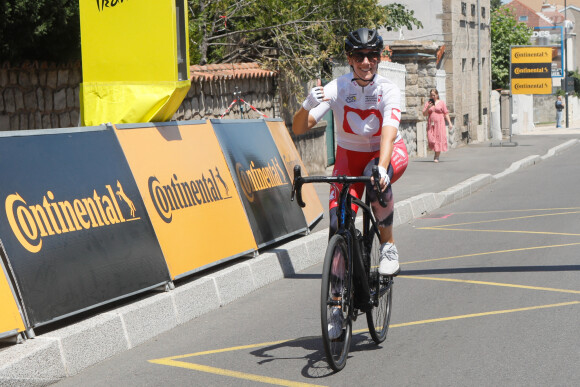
[[31, 222], [540, 70], [531, 86], [176, 195], [526, 55], [260, 178]]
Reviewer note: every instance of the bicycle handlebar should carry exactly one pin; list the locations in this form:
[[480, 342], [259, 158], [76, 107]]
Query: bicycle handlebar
[[341, 179]]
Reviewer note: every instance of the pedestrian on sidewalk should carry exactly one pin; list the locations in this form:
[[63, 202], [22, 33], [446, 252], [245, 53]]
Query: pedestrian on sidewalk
[[436, 112], [367, 110], [559, 107]]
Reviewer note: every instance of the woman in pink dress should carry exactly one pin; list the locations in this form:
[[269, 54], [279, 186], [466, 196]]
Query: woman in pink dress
[[436, 112]]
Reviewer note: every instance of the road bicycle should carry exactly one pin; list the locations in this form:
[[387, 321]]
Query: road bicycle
[[351, 283]]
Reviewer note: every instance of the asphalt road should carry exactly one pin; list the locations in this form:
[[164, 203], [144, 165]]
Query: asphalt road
[[489, 295]]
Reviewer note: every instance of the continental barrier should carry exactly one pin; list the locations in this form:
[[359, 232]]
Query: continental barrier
[[93, 215], [74, 229], [189, 192], [261, 178], [313, 211]]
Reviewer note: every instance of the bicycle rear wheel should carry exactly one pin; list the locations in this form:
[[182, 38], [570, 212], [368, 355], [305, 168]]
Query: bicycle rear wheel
[[381, 287], [335, 303]]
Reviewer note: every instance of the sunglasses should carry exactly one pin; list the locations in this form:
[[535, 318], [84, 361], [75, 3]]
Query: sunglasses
[[372, 56]]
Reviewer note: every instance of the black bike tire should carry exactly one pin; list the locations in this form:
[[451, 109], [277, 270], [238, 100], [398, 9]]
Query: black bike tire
[[379, 317], [336, 350]]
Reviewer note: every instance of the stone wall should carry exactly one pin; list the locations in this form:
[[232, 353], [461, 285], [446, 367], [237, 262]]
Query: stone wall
[[45, 95], [39, 95], [420, 60], [210, 99]]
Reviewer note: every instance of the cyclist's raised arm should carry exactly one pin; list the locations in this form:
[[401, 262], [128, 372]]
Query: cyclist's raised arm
[[302, 122], [303, 119]]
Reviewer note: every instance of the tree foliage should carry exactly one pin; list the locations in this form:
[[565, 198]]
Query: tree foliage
[[295, 37], [506, 31], [495, 4], [298, 37], [39, 29]]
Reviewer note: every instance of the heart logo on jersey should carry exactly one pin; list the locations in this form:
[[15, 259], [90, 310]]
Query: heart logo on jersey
[[362, 122]]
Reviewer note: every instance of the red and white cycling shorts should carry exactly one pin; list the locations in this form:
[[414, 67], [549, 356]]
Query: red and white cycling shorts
[[351, 163]]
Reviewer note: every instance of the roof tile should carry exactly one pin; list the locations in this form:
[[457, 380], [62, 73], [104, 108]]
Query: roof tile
[[229, 71]]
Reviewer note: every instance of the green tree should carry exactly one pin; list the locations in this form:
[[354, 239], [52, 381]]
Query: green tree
[[294, 37], [506, 31], [39, 29], [495, 4]]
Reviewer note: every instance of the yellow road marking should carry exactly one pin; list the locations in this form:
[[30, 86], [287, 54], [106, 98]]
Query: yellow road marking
[[445, 228], [172, 362], [491, 284], [528, 210], [231, 349], [230, 373], [491, 253], [500, 220], [434, 320]]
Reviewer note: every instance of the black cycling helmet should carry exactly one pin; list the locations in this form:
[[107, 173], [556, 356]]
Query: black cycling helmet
[[361, 39]]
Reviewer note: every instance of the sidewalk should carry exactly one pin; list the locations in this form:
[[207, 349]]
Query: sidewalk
[[425, 186]]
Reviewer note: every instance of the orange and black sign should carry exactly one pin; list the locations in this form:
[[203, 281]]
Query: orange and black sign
[[313, 210], [531, 70], [189, 192], [73, 224], [261, 178]]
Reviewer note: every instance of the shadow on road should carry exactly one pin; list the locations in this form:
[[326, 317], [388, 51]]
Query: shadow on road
[[316, 365]]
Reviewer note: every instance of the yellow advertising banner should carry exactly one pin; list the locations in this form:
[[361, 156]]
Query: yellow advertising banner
[[135, 60], [531, 54], [128, 41], [10, 318], [313, 210], [189, 193], [531, 86], [123, 103]]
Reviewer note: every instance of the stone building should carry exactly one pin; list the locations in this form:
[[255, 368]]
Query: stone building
[[461, 31]]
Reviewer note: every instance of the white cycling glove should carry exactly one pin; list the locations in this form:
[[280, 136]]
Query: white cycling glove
[[314, 98], [384, 175]]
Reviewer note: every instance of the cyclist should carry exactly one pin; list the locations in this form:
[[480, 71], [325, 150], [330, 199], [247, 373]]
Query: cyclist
[[367, 112]]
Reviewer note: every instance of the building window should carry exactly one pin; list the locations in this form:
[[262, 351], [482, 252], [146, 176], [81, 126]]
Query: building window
[[523, 18], [483, 12], [464, 8], [472, 9], [463, 62], [472, 63]]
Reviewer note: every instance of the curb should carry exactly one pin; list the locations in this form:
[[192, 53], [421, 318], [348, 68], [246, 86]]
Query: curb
[[64, 352]]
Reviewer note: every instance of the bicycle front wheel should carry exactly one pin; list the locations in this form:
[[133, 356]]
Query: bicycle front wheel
[[335, 303], [379, 316]]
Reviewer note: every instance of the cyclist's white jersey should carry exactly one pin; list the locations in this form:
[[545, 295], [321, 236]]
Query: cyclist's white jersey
[[361, 112]]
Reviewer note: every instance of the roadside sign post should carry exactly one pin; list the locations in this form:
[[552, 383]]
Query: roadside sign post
[[530, 73]]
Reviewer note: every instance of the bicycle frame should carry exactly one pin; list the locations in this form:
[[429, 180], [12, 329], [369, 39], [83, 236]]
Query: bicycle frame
[[346, 227]]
